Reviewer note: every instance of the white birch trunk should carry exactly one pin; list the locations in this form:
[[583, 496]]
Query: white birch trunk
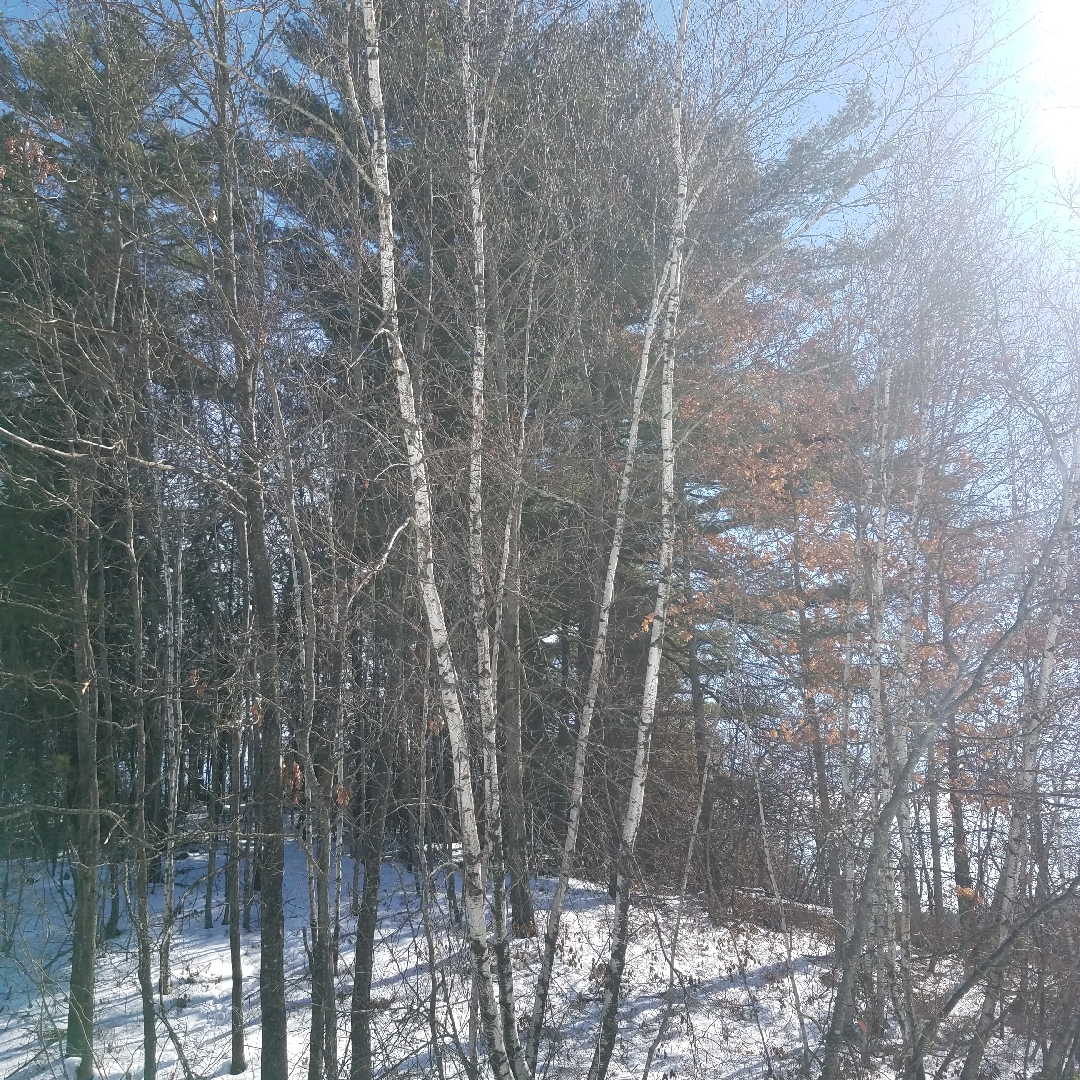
[[636, 799], [665, 303], [422, 522], [476, 138], [661, 293]]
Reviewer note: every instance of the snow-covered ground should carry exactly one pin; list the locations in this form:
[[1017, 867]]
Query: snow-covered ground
[[734, 1012]]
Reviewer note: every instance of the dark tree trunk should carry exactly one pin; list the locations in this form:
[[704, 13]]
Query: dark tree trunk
[[523, 921], [965, 894], [80, 1030], [702, 738], [324, 966], [237, 1064], [142, 846], [933, 794], [217, 768], [275, 1063], [371, 852]]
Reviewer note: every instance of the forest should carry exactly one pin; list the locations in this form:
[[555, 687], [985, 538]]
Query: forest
[[536, 540]]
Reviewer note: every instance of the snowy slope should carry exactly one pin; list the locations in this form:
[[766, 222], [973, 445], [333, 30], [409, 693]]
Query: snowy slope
[[734, 1013]]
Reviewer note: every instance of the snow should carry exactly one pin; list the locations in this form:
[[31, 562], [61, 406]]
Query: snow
[[733, 1014]]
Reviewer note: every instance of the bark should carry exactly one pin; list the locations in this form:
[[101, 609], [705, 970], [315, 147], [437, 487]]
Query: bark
[[323, 944], [673, 946], [664, 288], [524, 919], [237, 1062], [828, 855], [423, 531], [636, 798], [217, 770], [174, 724], [882, 746], [107, 724], [274, 1060], [964, 883], [909, 911], [86, 856], [933, 794], [371, 852], [435, 1046], [322, 1048], [842, 896], [907, 697], [138, 798], [476, 132], [852, 953], [508, 626], [272, 868], [703, 735]]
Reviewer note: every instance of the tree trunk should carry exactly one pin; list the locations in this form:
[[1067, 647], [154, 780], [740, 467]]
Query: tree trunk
[[423, 530], [476, 131], [664, 287], [316, 784], [865, 910], [275, 1062], [636, 798], [524, 919], [964, 884], [213, 817], [635, 801], [825, 832], [80, 1030], [138, 799], [371, 852], [109, 794], [174, 724], [933, 794], [673, 945], [237, 1062]]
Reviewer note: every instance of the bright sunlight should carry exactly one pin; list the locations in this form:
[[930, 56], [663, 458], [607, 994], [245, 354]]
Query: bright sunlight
[[1055, 77]]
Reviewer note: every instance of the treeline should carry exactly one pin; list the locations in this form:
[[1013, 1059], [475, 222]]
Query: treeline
[[560, 440]]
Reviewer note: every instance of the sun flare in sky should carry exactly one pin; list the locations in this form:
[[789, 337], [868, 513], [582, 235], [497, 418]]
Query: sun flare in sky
[[1054, 74]]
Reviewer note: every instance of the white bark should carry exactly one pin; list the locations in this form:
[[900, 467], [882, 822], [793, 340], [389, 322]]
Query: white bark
[[422, 522], [476, 139], [663, 310], [661, 293], [636, 798]]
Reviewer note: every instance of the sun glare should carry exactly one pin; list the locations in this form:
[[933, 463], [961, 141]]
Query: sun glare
[[1055, 75]]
